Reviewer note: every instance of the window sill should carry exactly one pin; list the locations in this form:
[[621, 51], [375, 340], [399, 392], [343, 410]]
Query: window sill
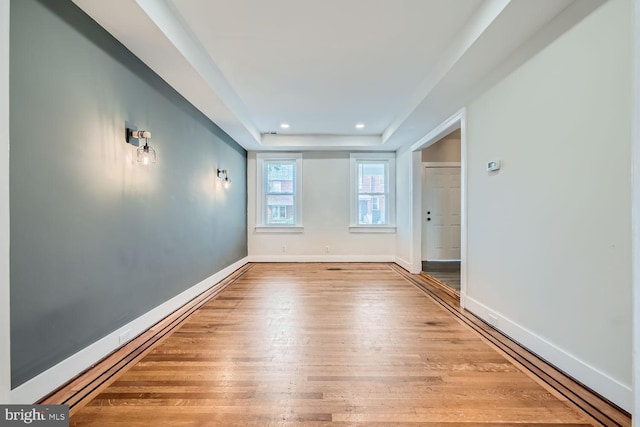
[[372, 229], [279, 229]]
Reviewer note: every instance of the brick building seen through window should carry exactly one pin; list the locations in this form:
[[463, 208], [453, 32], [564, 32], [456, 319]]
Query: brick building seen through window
[[280, 192], [372, 193]]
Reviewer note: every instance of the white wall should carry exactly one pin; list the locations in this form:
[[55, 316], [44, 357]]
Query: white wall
[[5, 360], [448, 149], [549, 236], [636, 212], [325, 216]]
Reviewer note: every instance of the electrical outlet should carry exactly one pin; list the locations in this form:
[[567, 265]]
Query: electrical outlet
[[326, 249], [124, 337], [284, 248], [493, 320]]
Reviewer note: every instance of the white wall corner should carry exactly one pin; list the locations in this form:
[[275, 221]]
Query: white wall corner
[[5, 328], [411, 268], [464, 185], [416, 209], [463, 300], [54, 377], [619, 393]]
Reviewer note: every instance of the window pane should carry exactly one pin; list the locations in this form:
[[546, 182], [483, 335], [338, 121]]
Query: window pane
[[280, 177], [280, 210], [371, 210], [371, 177]]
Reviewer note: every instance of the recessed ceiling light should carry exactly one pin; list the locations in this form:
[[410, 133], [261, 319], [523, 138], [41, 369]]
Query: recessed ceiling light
[[284, 125], [360, 126]]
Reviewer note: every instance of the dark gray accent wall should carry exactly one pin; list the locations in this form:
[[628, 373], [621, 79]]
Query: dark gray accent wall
[[96, 238]]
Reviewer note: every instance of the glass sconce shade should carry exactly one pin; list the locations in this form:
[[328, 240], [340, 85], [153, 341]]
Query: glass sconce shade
[[223, 175], [146, 154]]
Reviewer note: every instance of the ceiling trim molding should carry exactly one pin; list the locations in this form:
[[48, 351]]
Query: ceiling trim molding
[[498, 37], [322, 142], [443, 129], [164, 16], [477, 25]]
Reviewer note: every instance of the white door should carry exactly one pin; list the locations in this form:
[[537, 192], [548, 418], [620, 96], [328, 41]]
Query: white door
[[441, 213]]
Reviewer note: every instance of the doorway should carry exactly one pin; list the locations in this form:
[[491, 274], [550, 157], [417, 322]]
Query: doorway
[[456, 122], [441, 210]]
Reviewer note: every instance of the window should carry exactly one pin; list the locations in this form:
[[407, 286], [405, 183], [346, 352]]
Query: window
[[372, 192], [278, 214], [278, 190]]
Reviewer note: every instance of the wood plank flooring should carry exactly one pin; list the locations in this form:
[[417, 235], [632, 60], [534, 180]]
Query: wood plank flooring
[[446, 272], [599, 410], [324, 344], [77, 392]]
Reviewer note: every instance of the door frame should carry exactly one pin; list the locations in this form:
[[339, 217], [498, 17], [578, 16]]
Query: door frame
[[456, 121], [426, 165]]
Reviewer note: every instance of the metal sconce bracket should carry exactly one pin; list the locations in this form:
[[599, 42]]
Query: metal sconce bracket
[[145, 154]]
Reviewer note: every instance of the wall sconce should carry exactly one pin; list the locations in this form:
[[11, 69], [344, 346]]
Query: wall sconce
[[145, 154], [223, 175]]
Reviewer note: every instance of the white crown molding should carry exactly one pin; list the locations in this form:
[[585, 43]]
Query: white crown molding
[[323, 142]]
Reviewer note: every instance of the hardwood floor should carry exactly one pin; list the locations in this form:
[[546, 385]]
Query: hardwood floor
[[324, 344], [447, 273]]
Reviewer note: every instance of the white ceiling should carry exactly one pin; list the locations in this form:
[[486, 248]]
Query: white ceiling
[[398, 66]]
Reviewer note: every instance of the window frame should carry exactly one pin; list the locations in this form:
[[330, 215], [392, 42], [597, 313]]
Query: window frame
[[262, 224], [389, 160]]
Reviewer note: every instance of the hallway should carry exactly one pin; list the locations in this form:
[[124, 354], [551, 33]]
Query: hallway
[[446, 272], [324, 344]]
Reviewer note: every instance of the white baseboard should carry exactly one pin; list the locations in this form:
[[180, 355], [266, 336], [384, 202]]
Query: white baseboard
[[617, 392], [322, 258], [54, 377], [411, 268]]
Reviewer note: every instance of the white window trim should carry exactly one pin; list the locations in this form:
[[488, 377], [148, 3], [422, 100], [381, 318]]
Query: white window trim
[[390, 227], [261, 225]]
